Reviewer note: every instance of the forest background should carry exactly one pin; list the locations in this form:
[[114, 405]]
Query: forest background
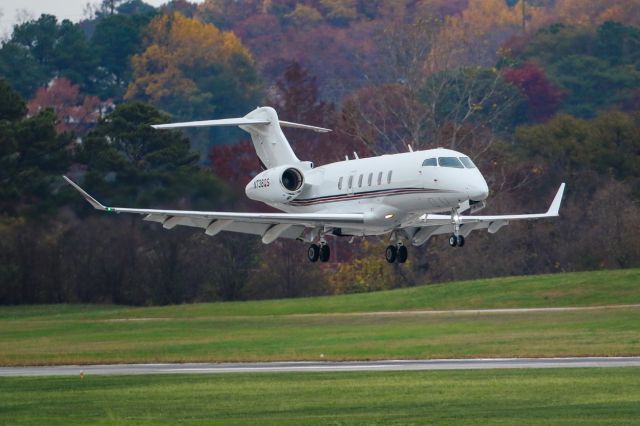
[[537, 92]]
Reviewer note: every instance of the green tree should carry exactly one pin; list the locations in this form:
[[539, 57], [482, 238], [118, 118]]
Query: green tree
[[115, 39], [32, 156], [130, 162], [598, 69], [575, 149], [41, 49]]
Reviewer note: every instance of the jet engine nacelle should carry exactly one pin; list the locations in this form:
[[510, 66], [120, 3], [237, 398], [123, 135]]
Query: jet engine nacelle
[[278, 185]]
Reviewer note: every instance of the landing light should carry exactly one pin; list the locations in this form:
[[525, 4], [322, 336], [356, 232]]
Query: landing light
[[388, 216]]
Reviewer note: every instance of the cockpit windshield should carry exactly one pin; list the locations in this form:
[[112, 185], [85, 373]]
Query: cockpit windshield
[[430, 162], [450, 162], [467, 162]]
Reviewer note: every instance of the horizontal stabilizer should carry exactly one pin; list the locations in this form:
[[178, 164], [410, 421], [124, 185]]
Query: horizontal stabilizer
[[304, 126], [209, 123], [237, 122]]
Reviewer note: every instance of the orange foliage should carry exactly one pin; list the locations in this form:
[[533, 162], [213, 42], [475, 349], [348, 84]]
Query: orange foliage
[[76, 112]]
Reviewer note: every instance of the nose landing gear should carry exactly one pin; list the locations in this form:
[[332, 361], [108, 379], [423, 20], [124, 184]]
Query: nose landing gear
[[456, 240]]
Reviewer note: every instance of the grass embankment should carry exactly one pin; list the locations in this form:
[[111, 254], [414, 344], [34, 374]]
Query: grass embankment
[[556, 396], [320, 328]]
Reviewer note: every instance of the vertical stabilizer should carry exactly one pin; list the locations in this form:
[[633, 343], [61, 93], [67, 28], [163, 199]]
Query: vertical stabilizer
[[271, 145]]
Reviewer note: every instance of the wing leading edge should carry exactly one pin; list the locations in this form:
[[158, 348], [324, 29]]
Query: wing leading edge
[[269, 225]]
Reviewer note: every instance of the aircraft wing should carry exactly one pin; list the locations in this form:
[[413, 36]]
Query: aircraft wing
[[269, 225], [437, 224]]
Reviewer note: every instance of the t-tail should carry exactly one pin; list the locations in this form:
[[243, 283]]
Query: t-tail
[[263, 125]]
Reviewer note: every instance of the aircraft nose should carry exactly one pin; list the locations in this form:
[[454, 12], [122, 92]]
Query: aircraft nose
[[478, 191]]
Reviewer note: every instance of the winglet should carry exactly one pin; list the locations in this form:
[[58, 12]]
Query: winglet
[[554, 209], [95, 203]]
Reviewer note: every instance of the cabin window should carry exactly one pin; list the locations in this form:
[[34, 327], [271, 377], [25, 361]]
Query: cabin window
[[450, 162], [360, 181], [350, 181], [430, 162], [340, 183], [380, 178], [370, 179], [467, 162], [389, 176]]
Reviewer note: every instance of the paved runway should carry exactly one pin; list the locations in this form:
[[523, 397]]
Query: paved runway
[[288, 367]]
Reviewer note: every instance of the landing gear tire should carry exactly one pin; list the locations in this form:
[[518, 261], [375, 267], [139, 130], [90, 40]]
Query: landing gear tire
[[390, 254], [453, 241], [325, 253], [460, 241], [313, 253], [402, 254]]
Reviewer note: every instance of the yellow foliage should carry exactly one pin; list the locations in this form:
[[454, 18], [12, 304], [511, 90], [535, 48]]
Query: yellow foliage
[[463, 39], [177, 48], [595, 12], [340, 9], [304, 16]]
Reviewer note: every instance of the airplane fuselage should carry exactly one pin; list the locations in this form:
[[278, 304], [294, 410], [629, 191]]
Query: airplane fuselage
[[390, 190]]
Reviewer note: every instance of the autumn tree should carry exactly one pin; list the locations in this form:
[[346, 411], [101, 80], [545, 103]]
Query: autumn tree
[[386, 119], [543, 97], [191, 69], [459, 109], [75, 112], [596, 12], [235, 163], [473, 38]]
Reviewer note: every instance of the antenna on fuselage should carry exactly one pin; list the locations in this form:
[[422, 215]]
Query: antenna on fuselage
[[410, 149], [355, 155]]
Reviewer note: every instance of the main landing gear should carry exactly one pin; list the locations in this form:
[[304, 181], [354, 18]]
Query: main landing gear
[[397, 253], [322, 252], [456, 240]]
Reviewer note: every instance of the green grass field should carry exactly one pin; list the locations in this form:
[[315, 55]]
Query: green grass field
[[608, 396], [321, 328]]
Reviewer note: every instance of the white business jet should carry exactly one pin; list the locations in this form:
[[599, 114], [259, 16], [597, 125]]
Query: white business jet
[[411, 196]]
